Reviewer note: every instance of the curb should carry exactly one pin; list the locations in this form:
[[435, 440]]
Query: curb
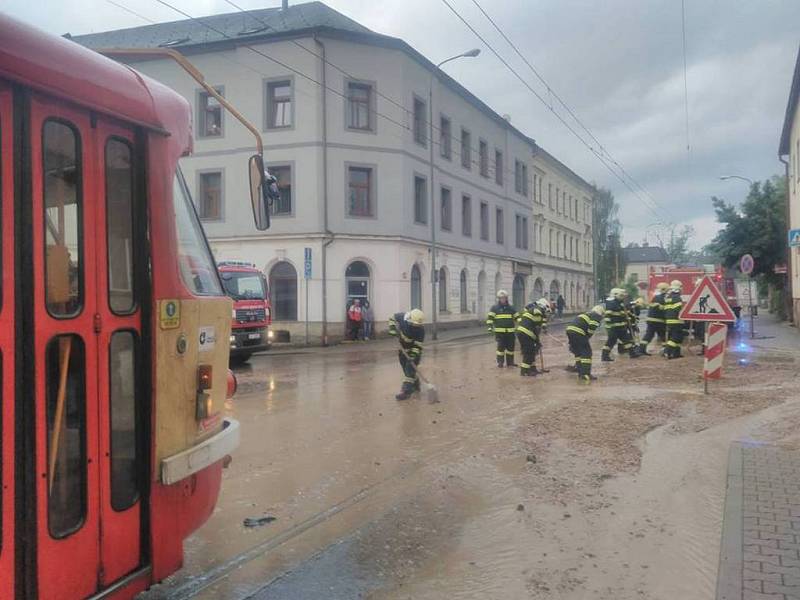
[[729, 574]]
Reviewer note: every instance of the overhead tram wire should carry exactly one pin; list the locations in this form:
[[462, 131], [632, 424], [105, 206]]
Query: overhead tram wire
[[685, 77], [569, 110], [131, 11], [651, 206]]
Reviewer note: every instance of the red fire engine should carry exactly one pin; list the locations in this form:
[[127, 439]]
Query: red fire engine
[[252, 314]]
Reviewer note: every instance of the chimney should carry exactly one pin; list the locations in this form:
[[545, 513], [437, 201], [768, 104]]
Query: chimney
[[507, 118]]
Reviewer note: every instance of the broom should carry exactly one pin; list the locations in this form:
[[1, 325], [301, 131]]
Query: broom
[[427, 389]]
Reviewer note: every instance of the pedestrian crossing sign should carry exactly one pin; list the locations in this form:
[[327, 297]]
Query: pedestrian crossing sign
[[707, 304], [794, 237]]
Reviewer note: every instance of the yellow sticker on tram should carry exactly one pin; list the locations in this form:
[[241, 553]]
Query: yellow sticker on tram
[[169, 314]]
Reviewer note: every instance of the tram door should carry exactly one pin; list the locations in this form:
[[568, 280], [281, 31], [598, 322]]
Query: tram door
[[87, 400]]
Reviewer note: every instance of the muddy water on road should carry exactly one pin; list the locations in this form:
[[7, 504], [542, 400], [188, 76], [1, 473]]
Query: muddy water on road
[[509, 488]]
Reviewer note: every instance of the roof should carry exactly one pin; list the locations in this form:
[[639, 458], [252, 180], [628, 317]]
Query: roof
[[242, 26], [645, 254], [192, 36], [569, 172], [89, 79], [791, 109]]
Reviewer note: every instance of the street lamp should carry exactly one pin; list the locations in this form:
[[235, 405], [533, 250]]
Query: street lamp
[[726, 177], [432, 195]]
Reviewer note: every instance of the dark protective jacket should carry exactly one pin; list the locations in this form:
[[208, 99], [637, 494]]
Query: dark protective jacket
[[502, 318], [655, 310], [530, 322], [616, 315], [410, 336], [673, 304], [585, 324]]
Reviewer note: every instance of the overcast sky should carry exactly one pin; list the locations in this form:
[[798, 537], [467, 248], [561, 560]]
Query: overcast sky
[[617, 63]]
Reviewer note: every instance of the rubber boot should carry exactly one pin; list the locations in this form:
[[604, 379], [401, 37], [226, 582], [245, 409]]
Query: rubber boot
[[534, 371], [606, 356], [524, 371], [403, 395], [634, 352], [571, 368], [510, 360], [643, 349]]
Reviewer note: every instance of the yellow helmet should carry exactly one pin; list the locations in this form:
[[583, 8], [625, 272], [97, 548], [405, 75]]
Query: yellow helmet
[[416, 317], [639, 301], [599, 309], [663, 286], [676, 284]]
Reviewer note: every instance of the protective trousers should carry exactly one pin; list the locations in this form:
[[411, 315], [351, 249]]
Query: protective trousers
[[653, 330], [582, 350], [527, 346], [674, 340], [621, 336], [410, 379], [505, 348]]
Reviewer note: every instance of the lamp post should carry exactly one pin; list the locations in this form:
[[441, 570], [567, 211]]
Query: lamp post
[[432, 195], [726, 177]]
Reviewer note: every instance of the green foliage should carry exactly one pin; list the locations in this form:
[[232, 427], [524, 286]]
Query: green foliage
[[607, 232], [757, 228], [675, 242], [630, 286]]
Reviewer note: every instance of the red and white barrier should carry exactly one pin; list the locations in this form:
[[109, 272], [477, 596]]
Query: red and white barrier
[[716, 337]]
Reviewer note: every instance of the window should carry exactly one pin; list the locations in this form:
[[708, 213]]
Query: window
[[65, 361], [466, 216], [535, 179], [198, 270], [550, 195], [283, 291], [550, 242], [518, 291], [420, 200], [445, 138], [518, 231], [463, 290], [484, 217], [524, 180], [125, 450], [279, 104], [518, 176], [283, 204], [499, 226], [466, 149], [541, 200], [209, 195], [209, 112], [565, 247], [357, 279], [447, 209], [360, 192], [498, 167], [420, 136], [416, 287], [558, 201], [119, 226], [442, 290], [522, 232], [63, 216], [483, 158], [359, 106]]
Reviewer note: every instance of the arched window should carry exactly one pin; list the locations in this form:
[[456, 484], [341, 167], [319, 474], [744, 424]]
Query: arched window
[[538, 289], [357, 280], [481, 292], [464, 291], [571, 299], [554, 290], [498, 283], [283, 291], [518, 292], [442, 290], [416, 287]]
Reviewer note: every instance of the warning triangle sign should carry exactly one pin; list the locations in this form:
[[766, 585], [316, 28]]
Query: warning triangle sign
[[707, 304]]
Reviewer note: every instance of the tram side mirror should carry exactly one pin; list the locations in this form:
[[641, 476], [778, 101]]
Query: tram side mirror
[[259, 192]]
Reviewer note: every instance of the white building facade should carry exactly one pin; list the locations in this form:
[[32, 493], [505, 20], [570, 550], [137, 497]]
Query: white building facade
[[789, 153], [344, 117]]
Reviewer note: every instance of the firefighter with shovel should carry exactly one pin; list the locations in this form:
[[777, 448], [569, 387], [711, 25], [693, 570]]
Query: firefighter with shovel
[[408, 328]]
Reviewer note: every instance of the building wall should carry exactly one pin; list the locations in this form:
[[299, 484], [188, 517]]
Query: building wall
[[794, 209], [390, 242]]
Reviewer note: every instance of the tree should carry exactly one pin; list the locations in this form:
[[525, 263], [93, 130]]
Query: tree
[[757, 228], [675, 242], [607, 232]]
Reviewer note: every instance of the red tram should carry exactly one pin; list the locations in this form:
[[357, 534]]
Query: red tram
[[114, 327]]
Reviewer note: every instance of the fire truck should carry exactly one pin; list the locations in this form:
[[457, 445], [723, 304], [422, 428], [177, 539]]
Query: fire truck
[[252, 314], [689, 276]]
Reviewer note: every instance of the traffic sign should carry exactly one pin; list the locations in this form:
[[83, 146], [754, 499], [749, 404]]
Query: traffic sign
[[715, 351], [307, 263], [746, 264], [707, 304], [794, 237]]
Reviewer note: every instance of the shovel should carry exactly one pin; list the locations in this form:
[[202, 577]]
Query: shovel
[[427, 389]]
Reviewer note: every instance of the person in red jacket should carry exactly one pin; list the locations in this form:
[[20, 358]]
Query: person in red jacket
[[355, 315]]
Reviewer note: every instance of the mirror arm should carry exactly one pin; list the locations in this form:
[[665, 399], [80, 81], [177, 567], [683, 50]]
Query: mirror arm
[[194, 73]]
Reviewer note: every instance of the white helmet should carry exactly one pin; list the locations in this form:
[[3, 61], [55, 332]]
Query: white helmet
[[617, 293], [676, 285], [502, 293], [599, 309], [415, 317], [662, 286], [543, 304]]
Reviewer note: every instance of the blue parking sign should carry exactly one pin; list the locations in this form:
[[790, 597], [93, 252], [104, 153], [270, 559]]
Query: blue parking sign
[[307, 263], [794, 237]]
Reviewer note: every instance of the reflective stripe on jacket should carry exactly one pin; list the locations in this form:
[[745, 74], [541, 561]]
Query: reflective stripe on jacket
[[502, 318], [410, 336], [585, 324], [530, 323]]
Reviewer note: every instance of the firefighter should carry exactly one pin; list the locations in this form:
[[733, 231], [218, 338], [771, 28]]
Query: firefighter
[[529, 328], [673, 304], [578, 334], [409, 330], [656, 326], [617, 326], [501, 321]]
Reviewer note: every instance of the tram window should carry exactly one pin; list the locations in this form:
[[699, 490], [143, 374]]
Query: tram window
[[197, 266], [119, 223], [66, 434], [62, 219], [122, 398]]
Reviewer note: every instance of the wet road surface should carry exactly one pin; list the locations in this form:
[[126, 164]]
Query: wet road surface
[[508, 488]]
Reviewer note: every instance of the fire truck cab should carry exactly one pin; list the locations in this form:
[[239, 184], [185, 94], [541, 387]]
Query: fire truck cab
[[252, 314]]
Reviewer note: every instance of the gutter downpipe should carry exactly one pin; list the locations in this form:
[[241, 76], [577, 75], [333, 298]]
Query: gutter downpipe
[[789, 301], [327, 233]]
